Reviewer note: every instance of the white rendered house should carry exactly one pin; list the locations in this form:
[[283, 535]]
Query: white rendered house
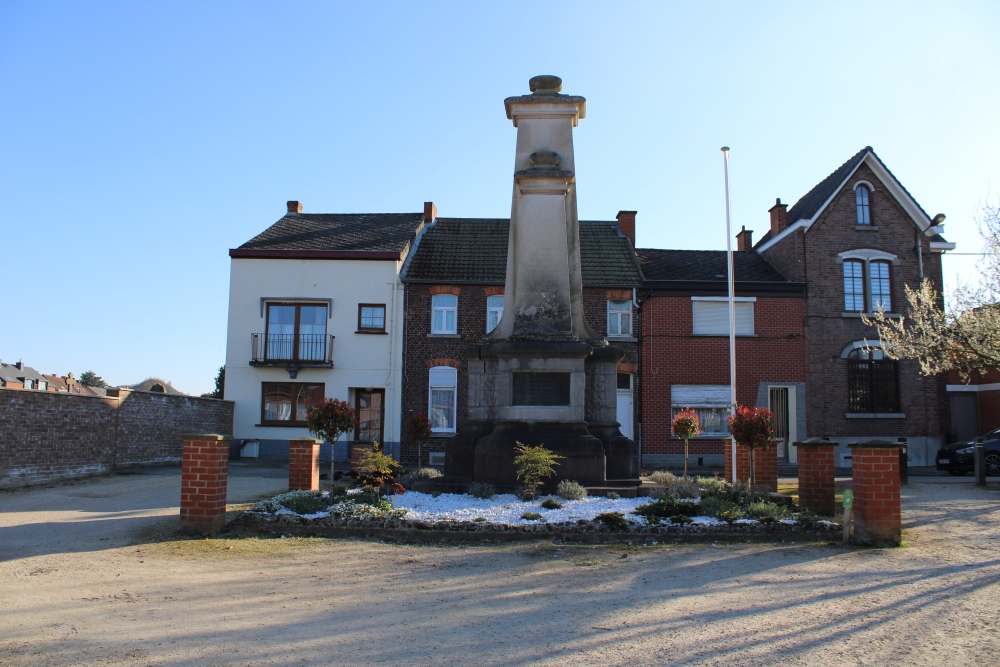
[[316, 311]]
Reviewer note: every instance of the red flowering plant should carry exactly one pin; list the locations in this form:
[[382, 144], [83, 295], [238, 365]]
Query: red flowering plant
[[328, 420], [686, 426], [418, 429], [753, 428]]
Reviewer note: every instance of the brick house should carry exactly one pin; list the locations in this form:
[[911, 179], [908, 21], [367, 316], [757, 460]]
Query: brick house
[[305, 283], [684, 329], [454, 294], [855, 240]]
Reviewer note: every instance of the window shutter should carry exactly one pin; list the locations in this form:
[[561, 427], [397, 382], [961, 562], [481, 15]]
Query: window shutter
[[712, 317], [443, 376]]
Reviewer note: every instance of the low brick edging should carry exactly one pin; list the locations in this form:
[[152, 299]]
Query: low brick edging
[[877, 515], [817, 490], [204, 482], [442, 531]]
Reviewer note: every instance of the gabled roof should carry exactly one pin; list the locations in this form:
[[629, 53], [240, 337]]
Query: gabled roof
[[705, 265], [149, 383], [388, 233], [474, 250], [22, 373], [810, 205]]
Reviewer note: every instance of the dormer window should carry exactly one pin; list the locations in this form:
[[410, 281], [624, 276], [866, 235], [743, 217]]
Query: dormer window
[[862, 197]]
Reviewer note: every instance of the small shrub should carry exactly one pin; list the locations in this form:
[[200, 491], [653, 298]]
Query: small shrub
[[482, 490], [662, 477], [657, 511], [412, 476], [612, 495], [731, 515], [366, 497], [766, 512], [531, 516], [680, 519], [352, 509], [300, 502], [551, 503], [806, 517], [534, 465], [337, 491], [613, 520], [739, 493], [674, 486], [377, 468], [713, 506], [479, 519], [570, 490]]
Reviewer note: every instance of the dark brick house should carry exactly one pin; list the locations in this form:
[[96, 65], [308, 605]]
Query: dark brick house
[[684, 329], [855, 240], [454, 286]]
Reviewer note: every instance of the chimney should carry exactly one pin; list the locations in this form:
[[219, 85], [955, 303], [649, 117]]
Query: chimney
[[430, 211], [20, 364], [744, 240], [626, 223], [294, 207], [779, 217]]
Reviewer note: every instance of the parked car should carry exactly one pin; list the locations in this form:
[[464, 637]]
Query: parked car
[[958, 459]]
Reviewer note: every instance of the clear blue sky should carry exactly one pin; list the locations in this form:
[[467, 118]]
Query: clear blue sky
[[139, 141]]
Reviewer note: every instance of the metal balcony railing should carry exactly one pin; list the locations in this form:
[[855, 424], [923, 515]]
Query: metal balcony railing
[[292, 350]]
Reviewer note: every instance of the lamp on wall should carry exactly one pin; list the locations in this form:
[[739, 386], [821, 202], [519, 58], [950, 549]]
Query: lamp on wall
[[936, 227]]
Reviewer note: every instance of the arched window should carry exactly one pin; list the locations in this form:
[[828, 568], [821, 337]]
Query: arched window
[[879, 285], [872, 381], [862, 197]]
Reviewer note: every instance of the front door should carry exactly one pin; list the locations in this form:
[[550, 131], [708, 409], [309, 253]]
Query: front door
[[778, 401], [625, 413], [370, 404]]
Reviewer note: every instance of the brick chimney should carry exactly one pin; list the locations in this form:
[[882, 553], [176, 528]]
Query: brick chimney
[[779, 217], [430, 211], [744, 240], [626, 223], [294, 207]]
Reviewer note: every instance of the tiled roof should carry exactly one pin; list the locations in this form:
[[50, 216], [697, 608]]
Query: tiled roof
[[474, 250], [705, 266], [365, 232]]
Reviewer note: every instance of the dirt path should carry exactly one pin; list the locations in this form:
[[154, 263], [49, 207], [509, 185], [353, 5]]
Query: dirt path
[[161, 601]]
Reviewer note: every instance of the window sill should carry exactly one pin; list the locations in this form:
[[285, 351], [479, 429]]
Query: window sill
[[443, 434], [443, 335], [858, 313], [282, 425], [372, 333], [717, 335], [623, 339], [875, 415], [866, 228]]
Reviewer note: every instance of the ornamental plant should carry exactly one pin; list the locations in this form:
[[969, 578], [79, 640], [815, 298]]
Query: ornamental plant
[[534, 465], [328, 420], [377, 468], [418, 429], [752, 428], [685, 426]]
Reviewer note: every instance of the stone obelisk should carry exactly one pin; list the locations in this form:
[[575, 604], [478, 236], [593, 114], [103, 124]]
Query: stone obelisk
[[543, 376]]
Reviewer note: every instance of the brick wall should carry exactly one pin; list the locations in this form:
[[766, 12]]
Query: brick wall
[[45, 436], [422, 350], [828, 330], [672, 355]]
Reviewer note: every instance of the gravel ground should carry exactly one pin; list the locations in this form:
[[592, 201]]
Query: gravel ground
[[91, 573]]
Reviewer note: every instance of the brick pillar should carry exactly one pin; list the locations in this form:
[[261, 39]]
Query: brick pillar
[[877, 517], [204, 477], [816, 477], [303, 464], [358, 451], [765, 464]]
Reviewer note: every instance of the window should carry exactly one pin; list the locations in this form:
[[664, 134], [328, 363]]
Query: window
[[371, 317], [284, 403], [710, 316], [879, 286], [494, 311], [444, 314], [872, 381], [370, 404], [296, 331], [862, 197], [854, 285], [442, 398], [709, 401], [619, 317]]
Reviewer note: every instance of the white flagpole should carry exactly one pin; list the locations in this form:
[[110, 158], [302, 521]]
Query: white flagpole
[[732, 305]]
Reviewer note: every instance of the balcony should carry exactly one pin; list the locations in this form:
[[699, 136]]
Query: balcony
[[291, 351]]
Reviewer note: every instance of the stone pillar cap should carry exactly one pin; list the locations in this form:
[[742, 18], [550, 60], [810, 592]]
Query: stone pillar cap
[[876, 444], [816, 442], [313, 441], [205, 437]]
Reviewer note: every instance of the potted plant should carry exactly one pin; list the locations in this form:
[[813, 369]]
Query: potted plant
[[752, 428], [328, 420], [686, 426]]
